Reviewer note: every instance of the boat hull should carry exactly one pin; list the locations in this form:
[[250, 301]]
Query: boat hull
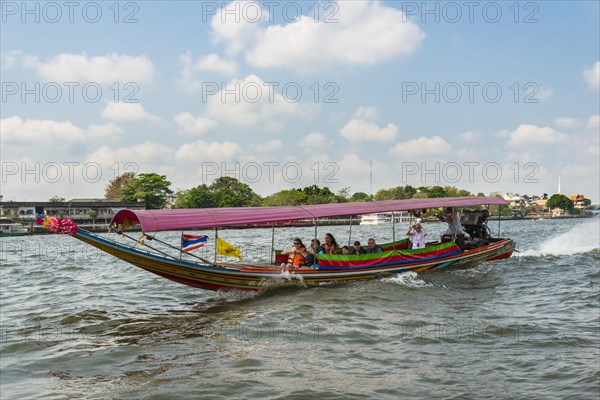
[[3, 234], [224, 276]]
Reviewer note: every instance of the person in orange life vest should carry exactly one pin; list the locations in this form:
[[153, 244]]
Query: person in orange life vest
[[296, 255]]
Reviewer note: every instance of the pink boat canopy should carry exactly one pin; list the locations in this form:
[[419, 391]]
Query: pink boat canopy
[[197, 218]]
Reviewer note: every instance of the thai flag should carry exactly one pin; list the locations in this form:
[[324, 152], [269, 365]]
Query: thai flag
[[192, 242]]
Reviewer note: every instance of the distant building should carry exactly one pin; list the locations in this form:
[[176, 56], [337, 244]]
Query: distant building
[[515, 201], [170, 200], [578, 200], [77, 209], [537, 208], [541, 203], [558, 212]]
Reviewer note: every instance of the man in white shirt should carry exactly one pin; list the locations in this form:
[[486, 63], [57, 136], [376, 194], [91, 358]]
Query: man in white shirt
[[417, 234]]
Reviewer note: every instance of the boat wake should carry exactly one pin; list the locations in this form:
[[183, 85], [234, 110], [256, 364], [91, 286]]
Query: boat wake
[[582, 238], [226, 296], [409, 279]]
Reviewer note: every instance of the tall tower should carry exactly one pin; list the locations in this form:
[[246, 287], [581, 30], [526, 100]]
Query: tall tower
[[559, 192], [371, 176]]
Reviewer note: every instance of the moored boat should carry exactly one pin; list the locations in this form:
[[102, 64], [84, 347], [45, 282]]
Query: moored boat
[[384, 218], [8, 227]]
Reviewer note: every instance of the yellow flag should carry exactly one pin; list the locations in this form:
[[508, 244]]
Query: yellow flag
[[226, 249]]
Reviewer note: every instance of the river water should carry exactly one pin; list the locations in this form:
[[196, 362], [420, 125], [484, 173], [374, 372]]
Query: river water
[[77, 323]]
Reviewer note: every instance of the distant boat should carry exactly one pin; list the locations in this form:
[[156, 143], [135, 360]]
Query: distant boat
[[8, 227], [384, 218]]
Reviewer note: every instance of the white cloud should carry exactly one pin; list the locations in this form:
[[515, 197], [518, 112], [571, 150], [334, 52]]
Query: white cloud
[[17, 57], [250, 101], [190, 124], [422, 147], [68, 67], [592, 76], [237, 33], [108, 131], [526, 135], [360, 130], [544, 93], [353, 167], [191, 69], [314, 140], [366, 113], [214, 63], [520, 157], [129, 112], [469, 136], [34, 132], [269, 146], [147, 153], [566, 122], [592, 150], [366, 32], [594, 122], [204, 151], [588, 171]]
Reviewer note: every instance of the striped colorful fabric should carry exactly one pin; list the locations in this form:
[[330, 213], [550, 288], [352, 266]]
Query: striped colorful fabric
[[192, 242], [397, 245], [387, 258]]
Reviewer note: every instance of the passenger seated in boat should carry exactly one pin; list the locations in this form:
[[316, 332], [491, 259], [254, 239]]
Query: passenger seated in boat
[[455, 231], [357, 249], [345, 250], [417, 235], [296, 255], [315, 248], [453, 220], [330, 244], [372, 247]]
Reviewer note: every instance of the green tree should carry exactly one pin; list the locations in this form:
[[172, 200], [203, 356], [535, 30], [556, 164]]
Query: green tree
[[199, 197], [115, 187], [395, 193], [230, 192], [385, 194], [452, 191], [93, 215], [317, 195], [153, 188], [409, 192], [434, 191], [291, 197], [560, 201], [56, 199], [343, 195], [360, 197]]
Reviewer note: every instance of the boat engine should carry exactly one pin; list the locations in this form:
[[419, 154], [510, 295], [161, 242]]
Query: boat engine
[[475, 224]]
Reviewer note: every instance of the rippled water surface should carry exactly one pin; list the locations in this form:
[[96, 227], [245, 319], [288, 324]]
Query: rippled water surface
[[77, 323]]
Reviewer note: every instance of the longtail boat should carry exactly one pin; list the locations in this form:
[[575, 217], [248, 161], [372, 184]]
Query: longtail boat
[[333, 268]]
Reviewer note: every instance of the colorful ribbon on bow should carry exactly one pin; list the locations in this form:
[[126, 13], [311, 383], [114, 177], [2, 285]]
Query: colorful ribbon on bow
[[64, 226]]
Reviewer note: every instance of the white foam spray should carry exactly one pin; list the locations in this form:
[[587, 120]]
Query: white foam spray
[[582, 238], [409, 279]]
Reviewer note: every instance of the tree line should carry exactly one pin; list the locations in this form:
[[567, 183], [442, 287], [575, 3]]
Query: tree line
[[226, 191]]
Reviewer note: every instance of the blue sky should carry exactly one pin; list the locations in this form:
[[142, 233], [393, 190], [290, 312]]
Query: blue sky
[[485, 96]]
